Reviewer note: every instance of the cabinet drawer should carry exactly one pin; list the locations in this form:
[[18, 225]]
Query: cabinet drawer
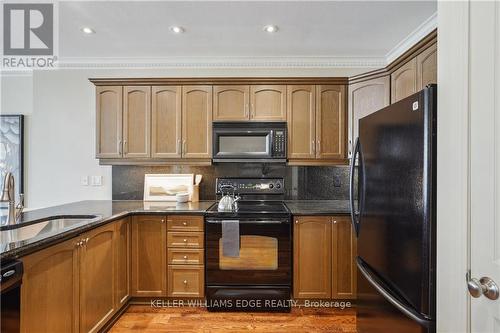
[[185, 256], [185, 223], [186, 281], [185, 239]]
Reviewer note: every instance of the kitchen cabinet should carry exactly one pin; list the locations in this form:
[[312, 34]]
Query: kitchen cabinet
[[268, 102], [149, 256], [331, 122], [109, 121], [97, 278], [185, 241], [301, 118], [136, 121], [404, 81], [312, 268], [427, 67], [343, 258], [365, 98], [50, 289], [231, 103], [123, 255], [166, 128], [197, 121]]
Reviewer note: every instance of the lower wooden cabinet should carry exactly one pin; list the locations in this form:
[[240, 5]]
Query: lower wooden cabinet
[[97, 278], [77, 285], [186, 281], [324, 252], [149, 256], [50, 290]]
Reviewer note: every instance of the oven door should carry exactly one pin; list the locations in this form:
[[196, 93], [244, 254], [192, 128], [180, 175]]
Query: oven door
[[265, 253], [241, 144]]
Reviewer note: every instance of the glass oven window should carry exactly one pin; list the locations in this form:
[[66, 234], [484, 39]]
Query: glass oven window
[[256, 253], [234, 144]]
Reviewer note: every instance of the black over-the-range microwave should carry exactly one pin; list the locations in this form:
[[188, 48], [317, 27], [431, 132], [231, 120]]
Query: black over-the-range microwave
[[249, 142]]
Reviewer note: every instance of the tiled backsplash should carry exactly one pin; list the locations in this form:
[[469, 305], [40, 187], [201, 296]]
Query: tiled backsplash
[[301, 183]]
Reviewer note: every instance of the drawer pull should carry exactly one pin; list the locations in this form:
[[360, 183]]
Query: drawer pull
[[185, 240], [185, 257], [185, 282], [184, 223]]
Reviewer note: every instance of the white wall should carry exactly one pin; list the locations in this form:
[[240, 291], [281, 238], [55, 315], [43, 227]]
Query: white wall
[[60, 124]]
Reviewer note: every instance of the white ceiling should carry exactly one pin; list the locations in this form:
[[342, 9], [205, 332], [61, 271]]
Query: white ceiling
[[140, 29]]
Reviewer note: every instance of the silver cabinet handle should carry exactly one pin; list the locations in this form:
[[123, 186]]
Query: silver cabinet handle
[[252, 111], [119, 147], [334, 221], [485, 286], [184, 223], [183, 146], [319, 147], [185, 282], [185, 257], [246, 109], [313, 148], [185, 240], [179, 147], [125, 147]]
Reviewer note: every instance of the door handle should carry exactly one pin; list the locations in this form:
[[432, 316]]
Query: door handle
[[484, 286], [184, 146]]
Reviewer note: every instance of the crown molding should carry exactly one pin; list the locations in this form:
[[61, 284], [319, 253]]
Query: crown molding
[[413, 38], [222, 62]]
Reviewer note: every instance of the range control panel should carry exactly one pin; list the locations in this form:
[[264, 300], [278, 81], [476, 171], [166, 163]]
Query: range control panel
[[250, 185]]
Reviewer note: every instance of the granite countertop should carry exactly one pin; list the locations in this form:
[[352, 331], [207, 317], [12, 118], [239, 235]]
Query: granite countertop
[[318, 207], [110, 210], [106, 210]]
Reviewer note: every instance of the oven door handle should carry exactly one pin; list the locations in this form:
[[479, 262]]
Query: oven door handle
[[219, 221]]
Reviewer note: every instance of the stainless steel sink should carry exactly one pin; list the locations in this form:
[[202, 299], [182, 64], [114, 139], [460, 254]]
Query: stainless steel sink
[[43, 228]]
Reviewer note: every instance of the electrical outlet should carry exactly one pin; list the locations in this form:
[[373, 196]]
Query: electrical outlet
[[336, 181], [96, 180], [84, 181]]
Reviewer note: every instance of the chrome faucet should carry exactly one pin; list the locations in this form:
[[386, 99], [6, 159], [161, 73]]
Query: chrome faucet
[[8, 196]]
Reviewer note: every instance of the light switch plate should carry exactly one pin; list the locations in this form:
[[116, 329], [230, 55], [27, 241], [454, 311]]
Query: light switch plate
[[96, 180]]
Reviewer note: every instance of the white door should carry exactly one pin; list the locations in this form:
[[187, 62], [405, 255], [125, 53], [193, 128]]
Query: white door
[[484, 122]]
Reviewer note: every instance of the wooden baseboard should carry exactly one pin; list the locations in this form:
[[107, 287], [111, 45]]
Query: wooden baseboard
[[115, 318]]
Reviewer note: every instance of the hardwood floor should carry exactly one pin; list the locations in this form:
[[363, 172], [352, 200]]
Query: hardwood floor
[[143, 318]]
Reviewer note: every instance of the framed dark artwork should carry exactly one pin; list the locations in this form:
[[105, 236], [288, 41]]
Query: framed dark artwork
[[12, 150]]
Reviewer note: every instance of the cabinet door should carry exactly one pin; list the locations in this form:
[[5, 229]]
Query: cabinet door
[[312, 244], [364, 99], [166, 122], [404, 81], [268, 102], [49, 292], [122, 283], [343, 255], [97, 278], [149, 256], [197, 121], [427, 67], [331, 118], [136, 121], [231, 103], [301, 118], [109, 122], [186, 281]]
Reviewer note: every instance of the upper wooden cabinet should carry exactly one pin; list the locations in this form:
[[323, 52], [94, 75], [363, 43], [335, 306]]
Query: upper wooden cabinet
[[404, 81], [166, 129], [331, 122], [268, 102], [136, 121], [301, 118], [109, 121], [365, 98], [149, 256], [415, 74], [312, 268], [231, 103], [197, 121], [50, 290], [343, 258], [427, 67]]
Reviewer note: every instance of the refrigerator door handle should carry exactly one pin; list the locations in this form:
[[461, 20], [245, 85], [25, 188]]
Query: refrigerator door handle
[[354, 213], [409, 312]]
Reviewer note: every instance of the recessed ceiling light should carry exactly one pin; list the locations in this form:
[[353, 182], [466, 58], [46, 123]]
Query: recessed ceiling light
[[177, 29], [270, 28], [88, 30]]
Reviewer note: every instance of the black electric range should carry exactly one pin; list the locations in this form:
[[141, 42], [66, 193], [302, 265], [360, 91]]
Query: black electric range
[[248, 251]]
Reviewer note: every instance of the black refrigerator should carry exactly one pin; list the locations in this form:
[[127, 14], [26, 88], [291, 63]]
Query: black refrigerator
[[393, 210]]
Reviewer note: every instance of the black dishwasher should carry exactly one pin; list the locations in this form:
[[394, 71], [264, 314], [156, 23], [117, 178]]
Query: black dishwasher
[[11, 275]]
